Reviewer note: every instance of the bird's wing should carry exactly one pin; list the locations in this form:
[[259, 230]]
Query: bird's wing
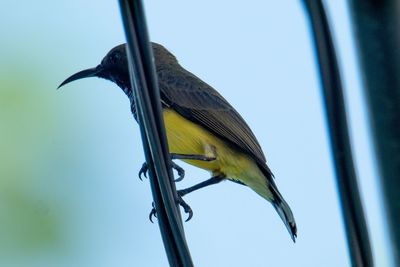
[[197, 101]]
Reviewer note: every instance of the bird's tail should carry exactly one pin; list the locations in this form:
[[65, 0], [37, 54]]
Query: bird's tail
[[284, 211], [268, 190], [262, 182]]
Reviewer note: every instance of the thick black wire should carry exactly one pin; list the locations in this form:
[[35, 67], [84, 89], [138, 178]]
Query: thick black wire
[[353, 215], [377, 31], [148, 105]]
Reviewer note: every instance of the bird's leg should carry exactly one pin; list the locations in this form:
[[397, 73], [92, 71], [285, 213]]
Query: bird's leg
[[180, 170], [213, 180], [181, 193], [192, 157]]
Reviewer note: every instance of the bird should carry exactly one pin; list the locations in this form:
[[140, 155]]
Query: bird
[[202, 127]]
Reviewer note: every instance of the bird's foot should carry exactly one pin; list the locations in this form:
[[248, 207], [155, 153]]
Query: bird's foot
[[188, 210], [181, 172], [181, 202], [143, 171], [153, 212]]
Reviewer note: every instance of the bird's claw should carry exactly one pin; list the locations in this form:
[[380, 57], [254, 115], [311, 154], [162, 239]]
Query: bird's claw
[[143, 171], [145, 168], [153, 213], [181, 202], [180, 171], [185, 207]]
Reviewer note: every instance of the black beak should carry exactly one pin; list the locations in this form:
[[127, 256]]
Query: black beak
[[93, 72]]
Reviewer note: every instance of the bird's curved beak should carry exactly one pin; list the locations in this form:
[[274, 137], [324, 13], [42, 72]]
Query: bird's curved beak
[[93, 72]]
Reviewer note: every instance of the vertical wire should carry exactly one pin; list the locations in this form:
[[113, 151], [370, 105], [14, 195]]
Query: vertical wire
[[148, 104], [346, 179], [377, 29]]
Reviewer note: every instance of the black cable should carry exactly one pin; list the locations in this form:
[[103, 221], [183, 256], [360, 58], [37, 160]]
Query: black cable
[[148, 104], [377, 31], [352, 210]]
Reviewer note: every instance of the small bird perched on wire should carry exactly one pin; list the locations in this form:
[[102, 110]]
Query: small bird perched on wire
[[202, 128]]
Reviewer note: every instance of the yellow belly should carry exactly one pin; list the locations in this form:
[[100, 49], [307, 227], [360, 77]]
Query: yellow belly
[[186, 137]]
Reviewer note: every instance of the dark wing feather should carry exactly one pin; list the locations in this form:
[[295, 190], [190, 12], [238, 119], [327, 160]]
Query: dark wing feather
[[202, 104]]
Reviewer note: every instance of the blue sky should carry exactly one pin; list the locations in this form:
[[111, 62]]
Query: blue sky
[[88, 150]]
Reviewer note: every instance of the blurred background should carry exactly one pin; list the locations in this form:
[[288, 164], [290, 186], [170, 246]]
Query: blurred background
[[69, 191]]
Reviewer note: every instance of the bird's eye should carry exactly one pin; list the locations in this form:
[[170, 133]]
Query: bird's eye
[[114, 58]]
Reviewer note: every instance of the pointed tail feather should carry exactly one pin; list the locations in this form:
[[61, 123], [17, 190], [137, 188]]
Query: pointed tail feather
[[284, 211]]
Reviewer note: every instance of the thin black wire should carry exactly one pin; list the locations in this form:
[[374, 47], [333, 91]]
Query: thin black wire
[[148, 104], [353, 215], [377, 31]]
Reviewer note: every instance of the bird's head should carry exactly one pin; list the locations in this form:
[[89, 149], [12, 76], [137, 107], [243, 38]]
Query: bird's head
[[114, 67]]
